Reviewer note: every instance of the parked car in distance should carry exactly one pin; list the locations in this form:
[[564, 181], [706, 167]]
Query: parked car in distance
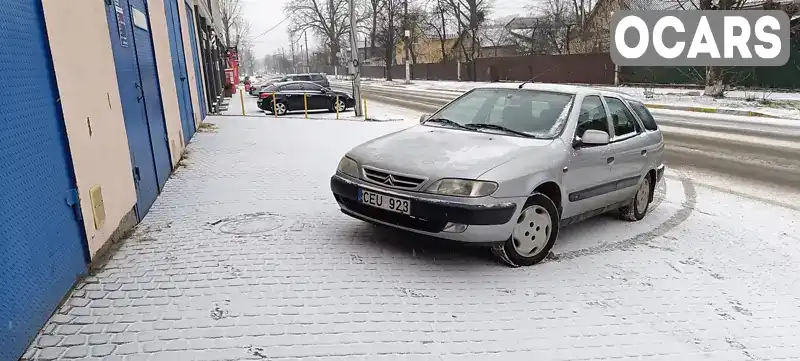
[[255, 90], [296, 95], [317, 78], [507, 165]]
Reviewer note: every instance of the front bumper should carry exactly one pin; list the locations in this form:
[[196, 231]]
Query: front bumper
[[486, 222]]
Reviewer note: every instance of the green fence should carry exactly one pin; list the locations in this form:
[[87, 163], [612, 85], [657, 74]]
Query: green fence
[[784, 77]]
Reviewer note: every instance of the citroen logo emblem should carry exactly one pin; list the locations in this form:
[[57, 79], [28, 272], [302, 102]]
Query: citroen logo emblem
[[389, 180]]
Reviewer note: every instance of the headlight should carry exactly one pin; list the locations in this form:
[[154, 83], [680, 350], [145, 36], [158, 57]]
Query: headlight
[[463, 187], [348, 166]]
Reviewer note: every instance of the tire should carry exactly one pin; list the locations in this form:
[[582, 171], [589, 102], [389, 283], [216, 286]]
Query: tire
[[640, 203], [539, 219], [340, 104], [280, 108]]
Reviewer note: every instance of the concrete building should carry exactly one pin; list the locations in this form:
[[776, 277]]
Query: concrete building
[[99, 100]]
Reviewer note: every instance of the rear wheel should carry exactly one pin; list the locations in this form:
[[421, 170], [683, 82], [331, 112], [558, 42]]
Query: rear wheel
[[640, 203], [338, 105], [534, 234], [280, 108]]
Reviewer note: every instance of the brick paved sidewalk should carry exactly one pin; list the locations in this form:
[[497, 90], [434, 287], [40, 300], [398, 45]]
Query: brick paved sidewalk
[[246, 256]]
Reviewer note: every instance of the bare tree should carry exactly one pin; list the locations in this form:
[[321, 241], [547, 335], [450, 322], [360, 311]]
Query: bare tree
[[715, 76], [470, 15], [247, 59], [374, 8], [329, 19], [230, 14], [388, 28], [278, 63], [414, 21], [559, 19], [437, 23], [241, 32]]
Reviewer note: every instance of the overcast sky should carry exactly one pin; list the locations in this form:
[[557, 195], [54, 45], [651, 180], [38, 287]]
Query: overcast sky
[[264, 14]]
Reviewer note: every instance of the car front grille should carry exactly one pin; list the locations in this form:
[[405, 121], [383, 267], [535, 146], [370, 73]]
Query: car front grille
[[393, 180]]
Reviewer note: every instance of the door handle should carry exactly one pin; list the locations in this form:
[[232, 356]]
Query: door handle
[[644, 151], [610, 160]]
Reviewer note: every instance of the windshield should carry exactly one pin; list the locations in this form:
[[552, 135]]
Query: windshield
[[538, 113]]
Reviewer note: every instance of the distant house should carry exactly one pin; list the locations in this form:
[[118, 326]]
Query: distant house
[[538, 34], [371, 55], [496, 41], [428, 50]]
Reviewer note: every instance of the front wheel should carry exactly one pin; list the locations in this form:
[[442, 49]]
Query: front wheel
[[534, 234]]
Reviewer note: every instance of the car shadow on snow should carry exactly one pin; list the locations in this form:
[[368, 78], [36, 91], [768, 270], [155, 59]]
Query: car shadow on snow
[[396, 243], [581, 237]]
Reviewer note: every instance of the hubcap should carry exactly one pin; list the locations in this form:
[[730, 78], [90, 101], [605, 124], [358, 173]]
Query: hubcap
[[280, 108], [643, 195], [340, 106], [532, 231]]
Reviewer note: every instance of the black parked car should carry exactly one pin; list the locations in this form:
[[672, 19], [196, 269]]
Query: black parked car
[[289, 97]]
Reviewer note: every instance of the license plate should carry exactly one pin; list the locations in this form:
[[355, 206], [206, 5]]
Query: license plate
[[382, 201]]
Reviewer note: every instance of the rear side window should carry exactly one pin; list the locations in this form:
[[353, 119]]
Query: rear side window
[[622, 119], [302, 78], [316, 77], [644, 114]]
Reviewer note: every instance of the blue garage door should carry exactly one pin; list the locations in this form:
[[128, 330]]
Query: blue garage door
[[151, 89], [179, 68], [42, 246], [141, 99], [196, 58]]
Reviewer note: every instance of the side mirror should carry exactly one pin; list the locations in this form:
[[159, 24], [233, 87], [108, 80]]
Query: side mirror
[[423, 117], [592, 137]]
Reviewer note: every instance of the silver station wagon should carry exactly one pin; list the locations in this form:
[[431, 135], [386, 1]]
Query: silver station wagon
[[506, 165]]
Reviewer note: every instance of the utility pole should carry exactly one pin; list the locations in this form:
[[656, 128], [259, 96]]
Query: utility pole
[[308, 66], [283, 56], [294, 61], [355, 64], [406, 41]]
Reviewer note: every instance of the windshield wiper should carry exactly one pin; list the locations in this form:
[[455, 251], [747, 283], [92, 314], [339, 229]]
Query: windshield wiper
[[498, 127], [448, 122]]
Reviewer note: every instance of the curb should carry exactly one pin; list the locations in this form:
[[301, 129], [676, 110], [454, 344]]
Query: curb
[[746, 113]]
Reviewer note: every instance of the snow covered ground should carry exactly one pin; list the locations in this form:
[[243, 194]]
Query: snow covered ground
[[786, 105], [246, 256]]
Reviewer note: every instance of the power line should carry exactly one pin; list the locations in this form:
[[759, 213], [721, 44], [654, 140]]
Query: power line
[[270, 29]]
